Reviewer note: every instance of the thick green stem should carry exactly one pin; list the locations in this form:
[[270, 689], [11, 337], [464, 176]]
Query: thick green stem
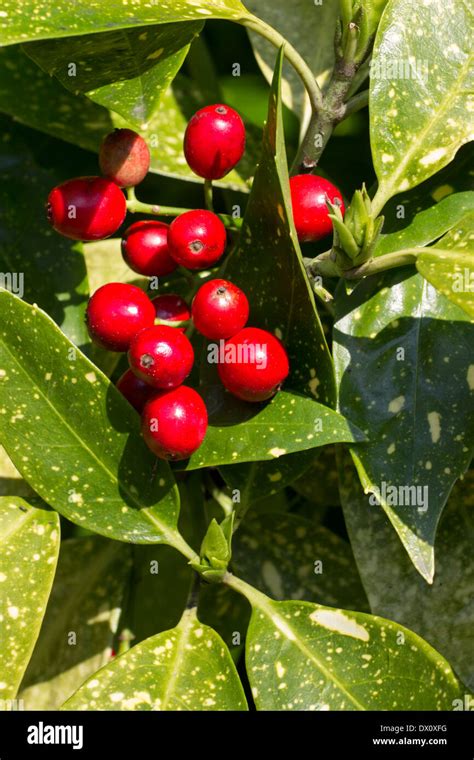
[[255, 597], [292, 55]]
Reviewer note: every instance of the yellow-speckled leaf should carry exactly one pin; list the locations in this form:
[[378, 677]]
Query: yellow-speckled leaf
[[186, 668], [420, 91], [442, 613], [404, 365], [35, 19], [302, 656], [451, 270], [127, 71], [81, 620], [73, 436], [29, 546]]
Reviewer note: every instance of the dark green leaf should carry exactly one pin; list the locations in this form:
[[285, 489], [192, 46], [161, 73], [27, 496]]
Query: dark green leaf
[[258, 480], [158, 589], [186, 668], [288, 557], [73, 436], [310, 28], [127, 71], [227, 612], [29, 540], [419, 92], [81, 619], [403, 363], [442, 613], [37, 263]]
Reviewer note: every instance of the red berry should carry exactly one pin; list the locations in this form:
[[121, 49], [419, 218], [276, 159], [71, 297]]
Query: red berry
[[254, 364], [161, 356], [197, 239], [116, 313], [145, 248], [86, 208], [214, 141], [172, 308], [220, 309], [310, 213], [136, 391], [174, 423], [124, 157]]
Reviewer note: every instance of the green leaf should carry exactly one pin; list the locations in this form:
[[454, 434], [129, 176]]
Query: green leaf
[[310, 28], [451, 271], [92, 465], [268, 265], [320, 483], [442, 613], [243, 432], [403, 364], [81, 619], [302, 656], [36, 263], [127, 71], [29, 539], [288, 557], [428, 225], [186, 668], [421, 76], [33, 20]]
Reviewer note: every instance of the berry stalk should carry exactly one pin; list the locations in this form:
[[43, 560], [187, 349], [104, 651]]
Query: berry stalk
[[134, 206]]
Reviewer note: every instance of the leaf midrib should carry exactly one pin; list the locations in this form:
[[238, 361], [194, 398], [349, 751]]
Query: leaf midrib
[[145, 510]]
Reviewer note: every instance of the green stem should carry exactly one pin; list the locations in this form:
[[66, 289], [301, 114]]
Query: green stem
[[292, 55], [356, 103], [178, 543], [208, 195], [172, 323], [382, 263], [137, 207], [256, 598], [322, 265]]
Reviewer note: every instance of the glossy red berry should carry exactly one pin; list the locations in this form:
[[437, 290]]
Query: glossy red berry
[[136, 391], [161, 356], [214, 141], [220, 309], [174, 423], [171, 308], [86, 208], [197, 239], [254, 364], [145, 248], [124, 157], [310, 213], [116, 312]]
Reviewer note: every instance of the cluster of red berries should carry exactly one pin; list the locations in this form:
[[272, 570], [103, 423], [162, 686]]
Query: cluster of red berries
[[252, 363]]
